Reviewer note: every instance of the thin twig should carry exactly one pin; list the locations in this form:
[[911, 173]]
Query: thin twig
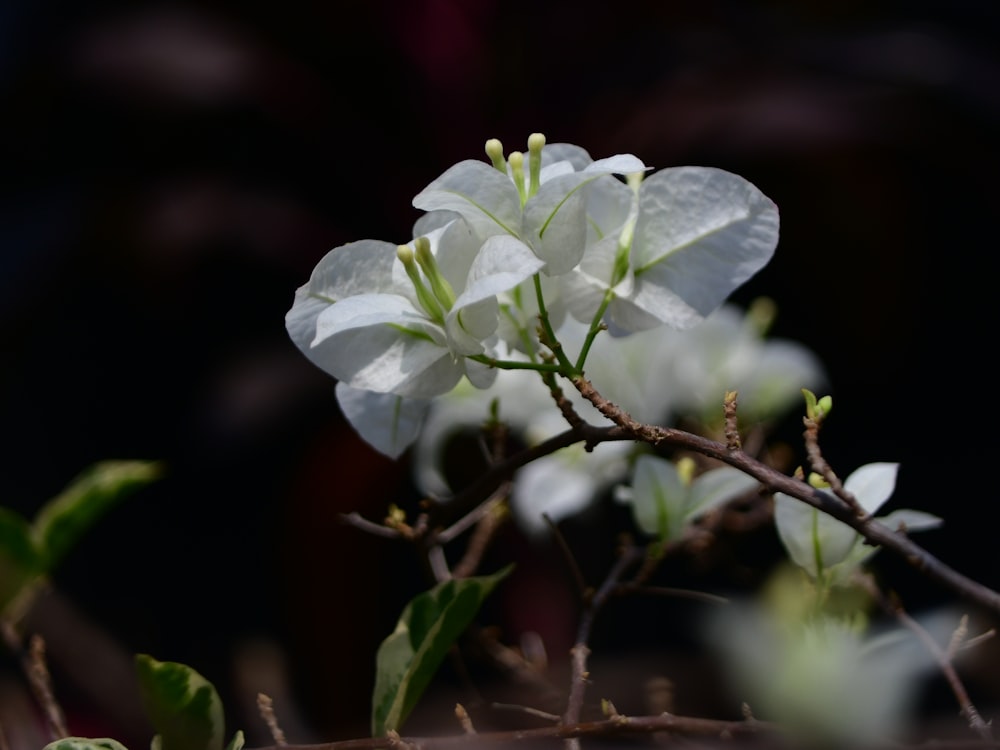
[[567, 553], [732, 431], [527, 710], [701, 596], [580, 651], [266, 708], [618, 727], [489, 523], [464, 720], [821, 467], [565, 406], [357, 520], [941, 656], [38, 676]]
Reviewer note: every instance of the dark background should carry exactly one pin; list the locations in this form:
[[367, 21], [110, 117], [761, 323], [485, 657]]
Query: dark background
[[174, 171]]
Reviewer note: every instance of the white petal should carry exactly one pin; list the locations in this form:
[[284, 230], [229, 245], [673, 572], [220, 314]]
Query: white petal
[[368, 310], [872, 484], [575, 155], [300, 320], [609, 205], [480, 375], [802, 529], [651, 305], [717, 487], [379, 343], [502, 263], [617, 164], [549, 487], [482, 195], [659, 497], [363, 267], [910, 520], [387, 422], [469, 325], [701, 233], [555, 218]]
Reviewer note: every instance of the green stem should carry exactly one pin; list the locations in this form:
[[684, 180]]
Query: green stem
[[522, 333], [596, 326], [509, 364], [565, 366]]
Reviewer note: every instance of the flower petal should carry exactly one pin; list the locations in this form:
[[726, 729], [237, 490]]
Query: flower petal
[[658, 497], [872, 484], [387, 422], [378, 342], [555, 218], [482, 195], [717, 487], [701, 233], [808, 534]]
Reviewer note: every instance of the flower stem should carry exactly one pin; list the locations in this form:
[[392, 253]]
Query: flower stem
[[596, 326], [510, 364], [566, 367]]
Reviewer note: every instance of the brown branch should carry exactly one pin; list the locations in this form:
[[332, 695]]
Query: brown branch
[[616, 727], [266, 708], [568, 557], [821, 467], [942, 656], [37, 674], [490, 521], [732, 431], [580, 651], [774, 481]]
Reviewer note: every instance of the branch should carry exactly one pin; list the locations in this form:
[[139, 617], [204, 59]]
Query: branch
[[873, 531], [615, 727], [581, 650]]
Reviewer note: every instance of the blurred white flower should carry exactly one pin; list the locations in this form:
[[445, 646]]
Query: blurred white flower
[[830, 549]]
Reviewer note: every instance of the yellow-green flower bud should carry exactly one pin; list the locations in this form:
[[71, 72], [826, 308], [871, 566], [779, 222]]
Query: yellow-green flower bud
[[685, 470], [494, 150], [536, 141], [439, 284], [816, 481], [424, 295], [516, 161]]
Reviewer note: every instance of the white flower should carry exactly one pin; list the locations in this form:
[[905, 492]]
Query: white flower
[[403, 319], [387, 422], [544, 207], [828, 548], [666, 498], [821, 678], [729, 352], [671, 247]]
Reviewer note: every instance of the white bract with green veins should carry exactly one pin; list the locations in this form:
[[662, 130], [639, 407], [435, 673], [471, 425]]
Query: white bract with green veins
[[666, 498], [671, 247], [404, 319], [830, 550]]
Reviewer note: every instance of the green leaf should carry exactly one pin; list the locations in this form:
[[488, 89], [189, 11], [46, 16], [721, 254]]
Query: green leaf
[[65, 518], [20, 562], [183, 706], [237, 742], [410, 656], [84, 743]]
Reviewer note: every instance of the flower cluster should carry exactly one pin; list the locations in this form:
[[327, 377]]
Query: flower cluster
[[548, 235]]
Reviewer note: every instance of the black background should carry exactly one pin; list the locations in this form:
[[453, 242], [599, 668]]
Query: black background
[[174, 171]]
